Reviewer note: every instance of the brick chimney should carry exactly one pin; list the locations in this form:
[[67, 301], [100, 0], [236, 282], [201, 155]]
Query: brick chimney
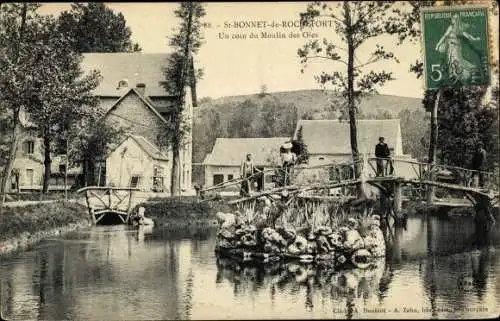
[[141, 89]]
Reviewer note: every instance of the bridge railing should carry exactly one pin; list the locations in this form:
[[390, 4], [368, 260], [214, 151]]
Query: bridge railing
[[300, 175], [304, 175], [108, 198], [442, 173]]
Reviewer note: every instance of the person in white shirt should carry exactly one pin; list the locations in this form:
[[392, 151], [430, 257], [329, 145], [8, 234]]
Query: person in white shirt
[[288, 160], [246, 172]]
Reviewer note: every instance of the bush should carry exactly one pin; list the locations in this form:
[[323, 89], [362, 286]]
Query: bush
[[33, 218], [183, 208]]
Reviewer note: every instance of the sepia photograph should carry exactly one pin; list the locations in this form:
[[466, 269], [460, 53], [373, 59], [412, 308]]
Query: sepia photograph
[[249, 160]]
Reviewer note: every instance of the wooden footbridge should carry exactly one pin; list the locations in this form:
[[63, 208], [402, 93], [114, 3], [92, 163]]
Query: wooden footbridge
[[114, 203], [398, 180]]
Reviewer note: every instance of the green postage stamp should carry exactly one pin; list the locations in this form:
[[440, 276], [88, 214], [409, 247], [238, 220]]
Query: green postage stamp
[[456, 46]]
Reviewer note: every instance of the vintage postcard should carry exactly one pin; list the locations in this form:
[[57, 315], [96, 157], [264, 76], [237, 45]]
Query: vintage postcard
[[249, 160]]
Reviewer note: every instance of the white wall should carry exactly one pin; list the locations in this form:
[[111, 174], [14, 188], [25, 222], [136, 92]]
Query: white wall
[[135, 161], [210, 171], [186, 153]]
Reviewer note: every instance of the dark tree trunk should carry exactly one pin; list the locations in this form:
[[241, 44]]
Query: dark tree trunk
[[178, 135], [7, 171], [91, 173], [85, 171], [175, 178], [350, 95], [46, 162], [433, 144], [192, 79], [88, 171]]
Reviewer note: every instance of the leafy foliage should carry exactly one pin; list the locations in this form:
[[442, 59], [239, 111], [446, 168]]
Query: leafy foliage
[[464, 122], [91, 141], [354, 23], [300, 148], [415, 132], [179, 72], [42, 76], [93, 27], [257, 117], [366, 20]]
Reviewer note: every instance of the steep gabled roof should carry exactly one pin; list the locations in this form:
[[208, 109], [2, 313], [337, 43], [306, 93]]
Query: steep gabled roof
[[333, 136], [142, 98], [232, 151], [145, 68], [149, 148]]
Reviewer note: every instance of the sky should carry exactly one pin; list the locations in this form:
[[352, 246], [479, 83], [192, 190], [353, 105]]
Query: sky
[[238, 66]]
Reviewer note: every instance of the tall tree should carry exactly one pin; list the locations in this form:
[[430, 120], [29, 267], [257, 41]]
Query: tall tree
[[300, 148], [60, 94], [179, 72], [355, 22], [91, 140], [15, 61], [463, 123], [93, 27]]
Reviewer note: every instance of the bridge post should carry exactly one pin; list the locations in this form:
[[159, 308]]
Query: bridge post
[[398, 201]]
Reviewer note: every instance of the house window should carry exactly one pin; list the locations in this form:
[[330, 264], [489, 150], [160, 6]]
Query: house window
[[134, 181], [62, 168], [230, 177], [321, 158], [29, 147], [29, 177], [158, 171], [122, 84], [218, 179]]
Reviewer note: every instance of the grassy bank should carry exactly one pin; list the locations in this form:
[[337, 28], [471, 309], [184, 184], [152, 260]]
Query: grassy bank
[[26, 225], [182, 211], [37, 196]]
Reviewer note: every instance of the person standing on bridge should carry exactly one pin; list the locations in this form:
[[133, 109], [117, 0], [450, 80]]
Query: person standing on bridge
[[479, 163], [382, 153], [246, 171], [288, 159]]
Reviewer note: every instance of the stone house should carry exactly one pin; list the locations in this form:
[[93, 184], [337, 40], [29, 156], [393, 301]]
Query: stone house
[[328, 141], [224, 161], [132, 97], [28, 168], [136, 162]]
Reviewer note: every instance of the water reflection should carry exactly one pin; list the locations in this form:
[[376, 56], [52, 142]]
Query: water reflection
[[320, 282], [114, 273]]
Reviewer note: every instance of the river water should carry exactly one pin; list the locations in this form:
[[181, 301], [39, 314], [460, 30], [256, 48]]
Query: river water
[[435, 268]]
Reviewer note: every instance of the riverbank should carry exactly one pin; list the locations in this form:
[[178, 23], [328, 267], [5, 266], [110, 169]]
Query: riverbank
[[24, 226], [182, 211]]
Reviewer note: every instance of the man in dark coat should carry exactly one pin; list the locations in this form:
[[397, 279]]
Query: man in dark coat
[[478, 163], [381, 151]]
